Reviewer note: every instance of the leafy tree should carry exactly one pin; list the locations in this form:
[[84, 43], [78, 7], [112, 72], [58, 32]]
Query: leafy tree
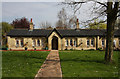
[[97, 25], [21, 23], [111, 10], [6, 27]]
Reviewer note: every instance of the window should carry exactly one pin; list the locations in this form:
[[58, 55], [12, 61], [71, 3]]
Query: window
[[92, 42], [74, 43], [114, 43], [33, 42], [38, 42], [119, 41], [66, 42], [71, 42], [21, 42], [103, 42], [88, 42], [17, 42]]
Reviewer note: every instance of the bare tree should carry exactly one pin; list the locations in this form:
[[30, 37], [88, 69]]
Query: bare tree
[[72, 21], [62, 23], [65, 21], [45, 25], [108, 9]]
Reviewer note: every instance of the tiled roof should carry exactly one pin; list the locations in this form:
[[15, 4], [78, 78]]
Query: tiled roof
[[63, 33]]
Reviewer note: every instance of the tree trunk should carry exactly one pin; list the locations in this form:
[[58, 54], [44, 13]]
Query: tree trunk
[[111, 18]]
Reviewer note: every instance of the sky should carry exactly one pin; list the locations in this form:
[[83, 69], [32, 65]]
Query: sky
[[39, 11]]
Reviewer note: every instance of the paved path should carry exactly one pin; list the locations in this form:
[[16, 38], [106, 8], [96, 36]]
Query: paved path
[[51, 67]]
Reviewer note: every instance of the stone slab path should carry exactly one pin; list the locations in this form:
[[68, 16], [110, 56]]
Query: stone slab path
[[51, 68]]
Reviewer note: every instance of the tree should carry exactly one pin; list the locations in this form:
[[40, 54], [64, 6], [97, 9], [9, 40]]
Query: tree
[[62, 23], [72, 21], [97, 25], [21, 23], [6, 27], [45, 25], [65, 21], [109, 9]]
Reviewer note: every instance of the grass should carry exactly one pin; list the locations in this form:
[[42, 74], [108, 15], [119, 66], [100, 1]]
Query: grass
[[87, 64], [22, 63]]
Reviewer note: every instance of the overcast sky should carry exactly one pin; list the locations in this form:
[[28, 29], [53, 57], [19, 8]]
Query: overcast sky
[[39, 11]]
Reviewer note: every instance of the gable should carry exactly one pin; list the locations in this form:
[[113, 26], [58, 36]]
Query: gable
[[55, 32]]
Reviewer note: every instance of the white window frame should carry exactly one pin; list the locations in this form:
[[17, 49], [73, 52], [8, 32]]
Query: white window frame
[[33, 43], [114, 43], [74, 42], [92, 42], [21, 42], [71, 42], [103, 42], [38, 43], [17, 41], [66, 42], [88, 42]]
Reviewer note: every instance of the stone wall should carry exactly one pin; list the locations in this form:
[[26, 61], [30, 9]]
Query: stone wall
[[81, 43], [27, 43]]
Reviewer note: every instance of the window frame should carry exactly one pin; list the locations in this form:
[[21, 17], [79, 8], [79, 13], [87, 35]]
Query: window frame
[[66, 42], [103, 42], [88, 42], [38, 42], [17, 42], [71, 42], [74, 42], [21, 43], [92, 42], [114, 43], [33, 43]]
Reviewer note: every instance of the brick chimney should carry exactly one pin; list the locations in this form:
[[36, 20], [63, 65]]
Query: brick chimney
[[31, 25], [77, 24]]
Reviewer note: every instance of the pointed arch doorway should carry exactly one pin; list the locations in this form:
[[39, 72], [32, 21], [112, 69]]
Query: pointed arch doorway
[[54, 43]]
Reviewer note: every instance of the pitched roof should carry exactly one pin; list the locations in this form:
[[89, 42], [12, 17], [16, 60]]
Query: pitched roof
[[62, 33]]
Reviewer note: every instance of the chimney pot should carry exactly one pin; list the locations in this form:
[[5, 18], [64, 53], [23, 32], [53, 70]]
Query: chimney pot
[[31, 20], [77, 24]]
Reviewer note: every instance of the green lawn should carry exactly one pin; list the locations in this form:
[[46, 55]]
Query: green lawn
[[87, 64], [22, 63]]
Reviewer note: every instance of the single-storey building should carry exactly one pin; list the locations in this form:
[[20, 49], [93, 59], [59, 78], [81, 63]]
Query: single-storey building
[[56, 39]]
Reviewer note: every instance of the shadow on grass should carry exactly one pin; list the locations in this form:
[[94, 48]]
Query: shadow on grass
[[82, 60]]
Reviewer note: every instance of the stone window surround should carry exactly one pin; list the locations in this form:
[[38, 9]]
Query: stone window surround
[[88, 42], [74, 42], [114, 43], [35, 42], [38, 42], [92, 42], [19, 42], [66, 42], [69, 41], [103, 42]]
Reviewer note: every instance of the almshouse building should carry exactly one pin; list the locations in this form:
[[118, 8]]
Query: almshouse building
[[78, 39]]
